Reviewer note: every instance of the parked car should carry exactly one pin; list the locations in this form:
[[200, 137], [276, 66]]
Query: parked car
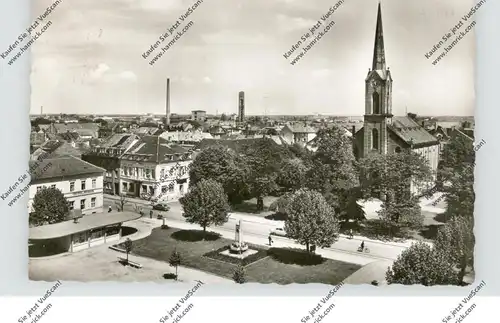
[[161, 206], [279, 232]]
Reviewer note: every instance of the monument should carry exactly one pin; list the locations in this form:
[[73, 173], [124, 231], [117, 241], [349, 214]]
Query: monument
[[238, 246]]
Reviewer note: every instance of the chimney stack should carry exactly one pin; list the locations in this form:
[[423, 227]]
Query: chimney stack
[[167, 117]]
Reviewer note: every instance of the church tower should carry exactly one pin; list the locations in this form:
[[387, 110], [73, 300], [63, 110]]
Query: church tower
[[378, 97]]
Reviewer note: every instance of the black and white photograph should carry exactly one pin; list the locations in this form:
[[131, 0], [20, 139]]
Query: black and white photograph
[[251, 141]]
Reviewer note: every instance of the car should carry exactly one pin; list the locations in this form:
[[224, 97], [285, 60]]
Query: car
[[161, 206], [279, 232]]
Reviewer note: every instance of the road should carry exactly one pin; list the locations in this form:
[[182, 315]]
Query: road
[[256, 230]]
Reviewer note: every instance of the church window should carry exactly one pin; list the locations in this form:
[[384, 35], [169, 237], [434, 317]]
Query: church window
[[374, 139], [376, 103]]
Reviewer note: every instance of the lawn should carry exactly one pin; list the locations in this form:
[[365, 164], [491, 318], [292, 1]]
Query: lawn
[[274, 265], [250, 206]]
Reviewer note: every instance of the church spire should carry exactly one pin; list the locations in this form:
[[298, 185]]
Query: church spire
[[378, 49]]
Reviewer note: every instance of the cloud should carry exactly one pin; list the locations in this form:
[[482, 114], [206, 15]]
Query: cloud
[[288, 23], [99, 71], [128, 75]]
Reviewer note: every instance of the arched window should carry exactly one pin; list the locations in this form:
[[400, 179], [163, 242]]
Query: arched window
[[397, 150], [376, 103], [374, 139]]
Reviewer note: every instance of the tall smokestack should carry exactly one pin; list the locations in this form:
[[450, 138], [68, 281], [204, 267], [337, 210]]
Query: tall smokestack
[[241, 106], [167, 117]]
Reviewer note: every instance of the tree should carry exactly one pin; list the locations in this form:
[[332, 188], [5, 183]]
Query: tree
[[49, 207], [333, 172], [263, 158], [292, 174], [311, 220], [282, 203], [457, 154], [222, 165], [239, 275], [459, 194], [455, 240], [128, 245], [400, 214], [206, 204], [121, 202], [420, 264], [175, 261]]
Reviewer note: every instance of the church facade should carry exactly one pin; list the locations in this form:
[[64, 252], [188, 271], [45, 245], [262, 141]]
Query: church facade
[[382, 132]]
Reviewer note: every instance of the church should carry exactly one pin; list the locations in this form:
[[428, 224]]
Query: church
[[382, 132]]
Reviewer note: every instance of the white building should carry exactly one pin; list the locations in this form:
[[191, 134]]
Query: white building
[[79, 181], [298, 134]]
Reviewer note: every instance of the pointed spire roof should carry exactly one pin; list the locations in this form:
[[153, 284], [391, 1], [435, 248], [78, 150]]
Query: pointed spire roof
[[378, 49]]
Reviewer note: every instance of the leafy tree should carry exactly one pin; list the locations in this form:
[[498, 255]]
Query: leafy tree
[[222, 165], [128, 245], [175, 261], [292, 174], [333, 172], [206, 204], [459, 194], [263, 158], [392, 175], [311, 220], [399, 214], [49, 206], [281, 204], [122, 202], [457, 154], [456, 241], [300, 152], [239, 275], [420, 264]]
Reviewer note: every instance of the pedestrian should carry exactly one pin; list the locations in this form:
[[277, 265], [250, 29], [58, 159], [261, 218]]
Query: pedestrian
[[350, 234], [109, 209], [151, 214], [270, 240], [141, 212], [363, 245]]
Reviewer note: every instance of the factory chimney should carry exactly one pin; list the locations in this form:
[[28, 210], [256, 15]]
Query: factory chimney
[[167, 117]]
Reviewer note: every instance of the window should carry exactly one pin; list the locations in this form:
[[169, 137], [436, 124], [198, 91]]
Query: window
[[38, 188], [171, 171], [82, 204], [162, 173], [376, 103], [164, 189], [397, 150], [83, 184], [131, 188], [92, 202], [171, 187], [125, 187], [110, 231], [375, 139], [148, 173], [97, 234], [71, 205], [94, 183], [53, 186], [71, 186], [80, 238]]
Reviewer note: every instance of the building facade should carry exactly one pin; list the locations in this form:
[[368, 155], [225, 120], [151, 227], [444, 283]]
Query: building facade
[[148, 167], [80, 182], [198, 115]]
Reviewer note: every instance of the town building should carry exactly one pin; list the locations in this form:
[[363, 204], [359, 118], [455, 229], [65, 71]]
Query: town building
[[382, 132], [148, 167], [79, 233], [80, 182], [198, 115], [298, 133]]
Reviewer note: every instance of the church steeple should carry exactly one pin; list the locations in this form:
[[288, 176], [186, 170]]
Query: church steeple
[[378, 48]]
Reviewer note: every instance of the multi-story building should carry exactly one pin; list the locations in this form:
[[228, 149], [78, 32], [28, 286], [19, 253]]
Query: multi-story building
[[79, 181], [148, 167], [298, 133], [198, 115]]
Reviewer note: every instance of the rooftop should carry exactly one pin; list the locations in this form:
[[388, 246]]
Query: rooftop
[[85, 223], [61, 166]]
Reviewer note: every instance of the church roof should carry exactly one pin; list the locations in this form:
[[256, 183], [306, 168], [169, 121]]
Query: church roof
[[378, 48], [411, 132]]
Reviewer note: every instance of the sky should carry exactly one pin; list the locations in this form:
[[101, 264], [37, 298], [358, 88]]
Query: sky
[[89, 60]]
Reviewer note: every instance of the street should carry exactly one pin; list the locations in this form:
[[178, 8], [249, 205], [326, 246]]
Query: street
[[256, 230]]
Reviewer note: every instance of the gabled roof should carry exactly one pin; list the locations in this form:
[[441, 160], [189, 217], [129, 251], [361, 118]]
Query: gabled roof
[[61, 166], [154, 149], [411, 132]]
